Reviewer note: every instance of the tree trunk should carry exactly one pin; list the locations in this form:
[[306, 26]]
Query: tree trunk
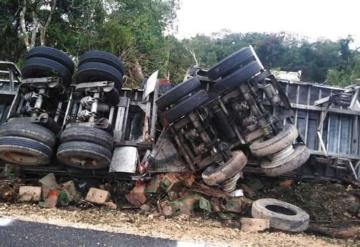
[[44, 28], [24, 34]]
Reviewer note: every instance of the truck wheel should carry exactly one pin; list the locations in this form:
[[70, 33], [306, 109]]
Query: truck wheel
[[282, 215], [102, 57], [87, 134], [28, 130], [217, 175], [230, 63], [52, 54], [186, 106], [275, 144], [238, 76], [94, 71], [84, 155], [39, 67], [286, 163], [24, 151], [177, 92]]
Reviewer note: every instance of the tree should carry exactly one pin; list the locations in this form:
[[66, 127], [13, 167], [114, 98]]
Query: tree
[[11, 46], [35, 17]]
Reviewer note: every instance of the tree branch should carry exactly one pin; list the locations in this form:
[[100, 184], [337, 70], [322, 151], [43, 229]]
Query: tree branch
[[44, 28], [35, 29], [24, 32]]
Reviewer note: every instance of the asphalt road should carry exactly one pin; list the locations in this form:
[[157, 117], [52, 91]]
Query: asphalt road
[[21, 233]]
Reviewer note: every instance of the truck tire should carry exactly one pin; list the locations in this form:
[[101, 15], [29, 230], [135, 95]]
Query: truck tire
[[275, 144], [87, 134], [94, 71], [102, 57], [230, 63], [178, 92], [286, 164], [216, 176], [52, 54], [282, 215], [238, 76], [40, 67], [84, 155], [186, 106], [28, 130], [24, 151]]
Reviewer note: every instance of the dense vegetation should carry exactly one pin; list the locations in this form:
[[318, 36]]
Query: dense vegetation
[[139, 31]]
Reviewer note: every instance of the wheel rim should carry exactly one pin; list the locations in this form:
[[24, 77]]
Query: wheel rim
[[21, 157], [83, 161]]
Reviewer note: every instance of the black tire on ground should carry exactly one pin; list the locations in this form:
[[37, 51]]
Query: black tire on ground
[[186, 106], [217, 175], [24, 151], [178, 92], [102, 57], [84, 155], [93, 71], [28, 130], [282, 215], [286, 164], [229, 64], [53, 54], [87, 134], [238, 76], [40, 67], [275, 144]]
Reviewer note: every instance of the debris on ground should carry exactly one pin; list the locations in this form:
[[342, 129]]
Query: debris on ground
[[70, 190], [9, 189], [97, 196], [29, 193], [137, 195], [51, 199], [176, 194], [254, 225]]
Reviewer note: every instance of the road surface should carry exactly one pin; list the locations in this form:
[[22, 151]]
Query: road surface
[[23, 233]]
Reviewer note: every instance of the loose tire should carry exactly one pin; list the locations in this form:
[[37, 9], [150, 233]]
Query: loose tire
[[87, 134], [84, 155], [275, 144], [41, 67], [28, 130], [178, 92], [186, 106], [230, 63], [102, 57], [286, 164], [24, 151], [282, 215], [52, 54], [94, 71]]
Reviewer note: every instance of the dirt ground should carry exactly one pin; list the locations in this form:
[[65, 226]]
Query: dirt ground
[[327, 203], [183, 228]]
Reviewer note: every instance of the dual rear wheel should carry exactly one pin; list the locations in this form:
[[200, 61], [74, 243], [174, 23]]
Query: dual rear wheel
[[25, 143], [85, 147]]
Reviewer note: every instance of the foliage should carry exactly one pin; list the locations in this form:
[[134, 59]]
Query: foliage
[[139, 31]]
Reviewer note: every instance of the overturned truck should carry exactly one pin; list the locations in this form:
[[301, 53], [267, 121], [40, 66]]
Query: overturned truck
[[219, 119], [233, 118]]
